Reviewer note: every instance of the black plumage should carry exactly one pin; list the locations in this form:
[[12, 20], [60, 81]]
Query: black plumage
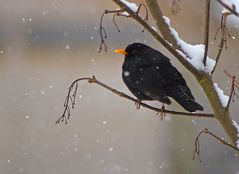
[[149, 75]]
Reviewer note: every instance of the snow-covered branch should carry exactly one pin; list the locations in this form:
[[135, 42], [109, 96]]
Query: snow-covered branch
[[191, 56], [194, 54], [230, 6]]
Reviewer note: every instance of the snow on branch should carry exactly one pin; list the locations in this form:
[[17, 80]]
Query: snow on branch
[[223, 98], [237, 128], [194, 54], [132, 6], [230, 7]]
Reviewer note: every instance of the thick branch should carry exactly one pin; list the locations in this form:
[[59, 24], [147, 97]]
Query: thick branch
[[160, 22], [220, 112]]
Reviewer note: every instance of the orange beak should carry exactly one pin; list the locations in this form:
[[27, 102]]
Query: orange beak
[[121, 51]]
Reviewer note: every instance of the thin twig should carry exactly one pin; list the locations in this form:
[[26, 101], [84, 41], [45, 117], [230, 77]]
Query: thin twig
[[206, 131], [234, 85], [206, 34], [66, 113], [116, 13], [231, 93], [103, 35], [231, 77], [220, 48], [232, 9], [224, 34]]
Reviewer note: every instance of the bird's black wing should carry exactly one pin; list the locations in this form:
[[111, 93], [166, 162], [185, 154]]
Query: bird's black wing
[[169, 73], [132, 87], [151, 83]]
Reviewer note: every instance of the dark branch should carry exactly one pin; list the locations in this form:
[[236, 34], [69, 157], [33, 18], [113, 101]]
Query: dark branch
[[118, 12], [206, 34], [70, 101], [234, 85], [231, 77], [232, 92], [232, 9], [206, 131], [73, 87], [224, 34]]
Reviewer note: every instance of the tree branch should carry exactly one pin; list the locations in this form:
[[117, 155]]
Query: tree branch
[[160, 22], [224, 34], [206, 34], [231, 9], [206, 131], [232, 92], [71, 98]]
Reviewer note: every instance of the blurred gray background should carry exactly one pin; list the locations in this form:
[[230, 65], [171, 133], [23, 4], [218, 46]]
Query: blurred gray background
[[45, 45]]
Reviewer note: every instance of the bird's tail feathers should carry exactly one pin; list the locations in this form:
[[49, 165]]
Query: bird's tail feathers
[[186, 101]]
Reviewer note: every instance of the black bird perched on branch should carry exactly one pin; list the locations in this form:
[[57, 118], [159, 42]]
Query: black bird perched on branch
[[149, 75]]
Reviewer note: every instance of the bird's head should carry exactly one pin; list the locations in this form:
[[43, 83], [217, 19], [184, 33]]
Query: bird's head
[[133, 50]]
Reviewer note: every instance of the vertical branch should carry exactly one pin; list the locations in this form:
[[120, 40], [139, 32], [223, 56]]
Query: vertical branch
[[231, 93], [206, 34], [224, 33]]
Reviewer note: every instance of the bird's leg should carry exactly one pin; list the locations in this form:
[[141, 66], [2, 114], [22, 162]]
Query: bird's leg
[[162, 114], [137, 103]]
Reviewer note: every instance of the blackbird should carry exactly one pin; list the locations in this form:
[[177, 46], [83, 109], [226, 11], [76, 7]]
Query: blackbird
[[149, 75]]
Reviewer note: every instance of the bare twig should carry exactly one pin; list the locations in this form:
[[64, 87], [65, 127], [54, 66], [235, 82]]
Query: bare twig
[[206, 131], [66, 113], [232, 9], [234, 85], [220, 48], [224, 33], [102, 31], [206, 34], [231, 77], [118, 12], [232, 92], [70, 100]]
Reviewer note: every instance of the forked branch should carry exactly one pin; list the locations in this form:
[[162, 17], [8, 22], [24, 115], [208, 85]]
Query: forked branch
[[206, 131], [234, 85], [224, 33], [116, 13]]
